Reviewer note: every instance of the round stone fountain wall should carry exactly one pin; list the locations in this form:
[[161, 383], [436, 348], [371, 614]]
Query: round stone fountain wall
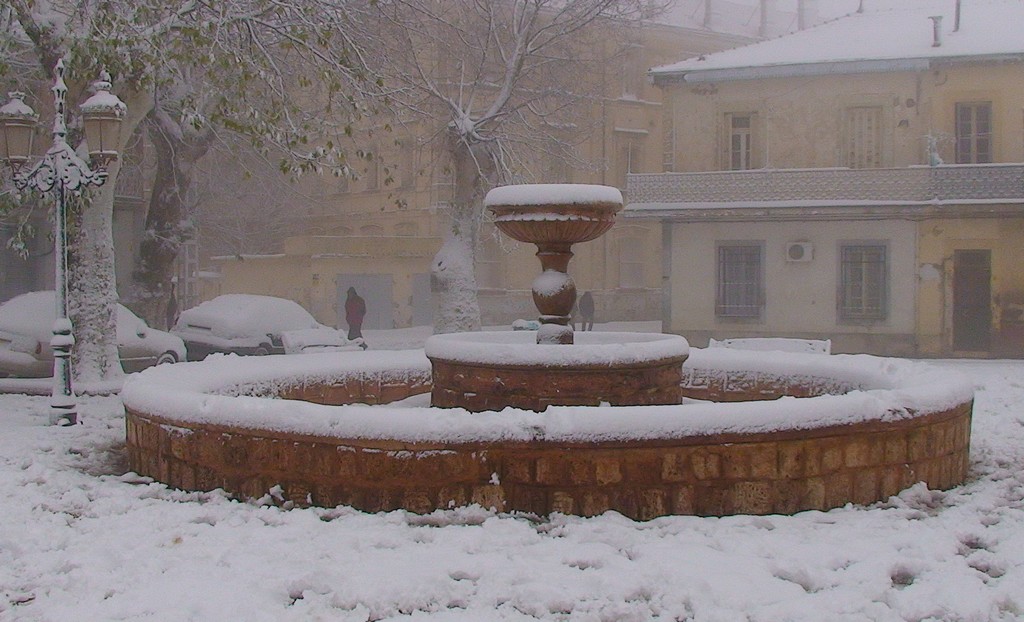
[[252, 429], [491, 371]]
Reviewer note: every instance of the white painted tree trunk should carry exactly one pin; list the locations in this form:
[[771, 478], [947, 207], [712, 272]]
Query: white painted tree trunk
[[92, 291], [452, 275], [453, 286], [92, 287]]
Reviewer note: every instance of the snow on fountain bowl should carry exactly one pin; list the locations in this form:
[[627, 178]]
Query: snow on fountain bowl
[[354, 428]]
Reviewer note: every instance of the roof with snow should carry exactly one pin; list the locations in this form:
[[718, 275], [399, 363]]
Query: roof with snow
[[745, 18], [739, 17], [892, 38]]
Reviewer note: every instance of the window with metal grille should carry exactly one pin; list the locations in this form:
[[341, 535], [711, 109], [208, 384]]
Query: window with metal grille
[[974, 133], [187, 274], [863, 282], [740, 141], [740, 279]]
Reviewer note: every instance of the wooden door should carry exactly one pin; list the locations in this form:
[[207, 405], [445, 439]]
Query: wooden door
[[972, 300]]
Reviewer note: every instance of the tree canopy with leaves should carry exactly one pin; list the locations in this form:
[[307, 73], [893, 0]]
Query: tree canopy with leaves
[[283, 73]]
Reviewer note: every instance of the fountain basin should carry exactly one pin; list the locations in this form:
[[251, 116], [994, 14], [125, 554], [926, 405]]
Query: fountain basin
[[554, 214], [494, 370], [250, 425]]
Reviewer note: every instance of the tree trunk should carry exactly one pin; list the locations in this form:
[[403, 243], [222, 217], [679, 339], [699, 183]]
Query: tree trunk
[[92, 288], [167, 224], [452, 279]]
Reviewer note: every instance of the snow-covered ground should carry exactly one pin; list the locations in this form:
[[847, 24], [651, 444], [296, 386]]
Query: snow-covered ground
[[82, 540]]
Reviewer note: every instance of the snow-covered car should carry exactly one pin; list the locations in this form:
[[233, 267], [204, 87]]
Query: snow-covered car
[[244, 324], [323, 339], [26, 322]]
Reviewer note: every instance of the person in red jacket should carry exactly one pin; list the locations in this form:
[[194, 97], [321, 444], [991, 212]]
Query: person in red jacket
[[586, 308], [355, 311]]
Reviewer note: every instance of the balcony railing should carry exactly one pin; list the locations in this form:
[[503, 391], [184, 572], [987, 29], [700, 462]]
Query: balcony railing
[[975, 183]]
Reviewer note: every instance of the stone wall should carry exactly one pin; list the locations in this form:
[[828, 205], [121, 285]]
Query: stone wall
[[479, 388], [712, 476], [779, 472]]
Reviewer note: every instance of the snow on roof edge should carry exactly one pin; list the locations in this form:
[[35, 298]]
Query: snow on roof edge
[[896, 33]]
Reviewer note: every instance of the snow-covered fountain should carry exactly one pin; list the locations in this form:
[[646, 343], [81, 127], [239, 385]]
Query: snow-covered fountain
[[582, 425], [494, 370]]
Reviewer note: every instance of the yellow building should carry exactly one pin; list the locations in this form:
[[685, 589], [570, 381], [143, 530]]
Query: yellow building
[[379, 232], [862, 183]]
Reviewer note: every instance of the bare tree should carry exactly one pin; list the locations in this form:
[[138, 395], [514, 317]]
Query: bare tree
[[493, 82]]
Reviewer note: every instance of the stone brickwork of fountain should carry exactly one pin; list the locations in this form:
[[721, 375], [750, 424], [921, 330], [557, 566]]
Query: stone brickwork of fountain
[[861, 430]]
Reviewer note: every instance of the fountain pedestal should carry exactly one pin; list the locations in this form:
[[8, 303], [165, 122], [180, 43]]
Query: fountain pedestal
[[554, 294]]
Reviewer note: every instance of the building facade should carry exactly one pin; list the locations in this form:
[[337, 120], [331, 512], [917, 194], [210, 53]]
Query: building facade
[[863, 183], [380, 231]]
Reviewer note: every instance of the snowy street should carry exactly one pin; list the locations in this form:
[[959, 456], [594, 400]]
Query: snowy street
[[81, 540]]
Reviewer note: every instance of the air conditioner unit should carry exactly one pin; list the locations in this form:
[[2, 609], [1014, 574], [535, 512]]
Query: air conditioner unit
[[799, 251]]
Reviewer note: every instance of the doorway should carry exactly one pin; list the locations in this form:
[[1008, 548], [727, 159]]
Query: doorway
[[422, 309], [376, 290], [972, 300]]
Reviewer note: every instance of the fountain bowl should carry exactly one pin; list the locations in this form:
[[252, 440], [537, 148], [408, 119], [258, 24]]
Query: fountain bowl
[[560, 214]]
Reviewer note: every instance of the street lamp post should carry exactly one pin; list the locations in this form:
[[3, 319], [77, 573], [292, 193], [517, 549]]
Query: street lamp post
[[65, 174]]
